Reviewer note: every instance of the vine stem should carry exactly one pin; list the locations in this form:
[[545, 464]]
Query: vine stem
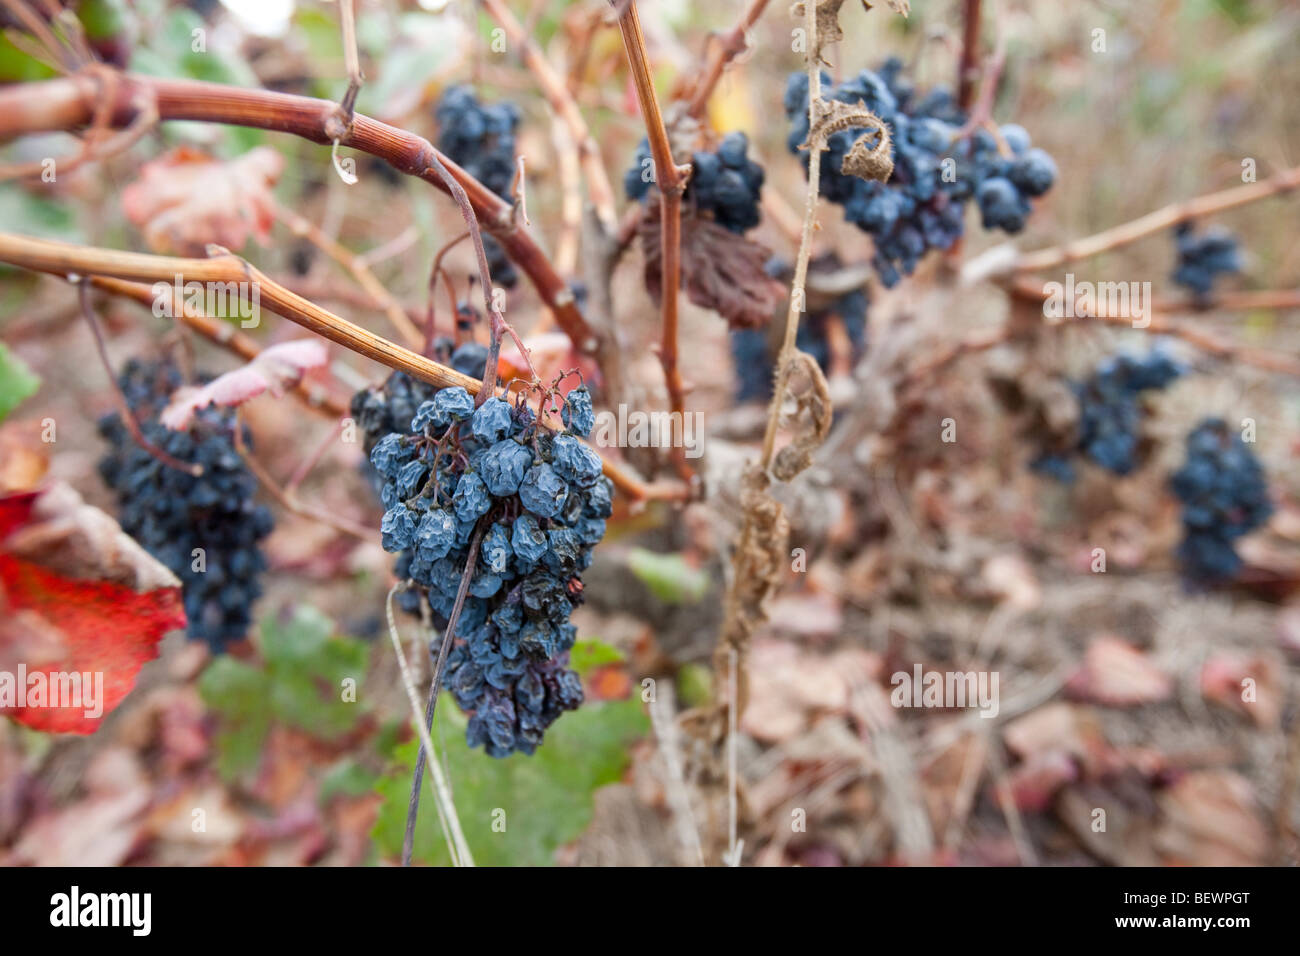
[[1164, 218], [969, 52], [64, 259], [722, 53], [61, 258], [70, 102], [671, 180], [797, 291]]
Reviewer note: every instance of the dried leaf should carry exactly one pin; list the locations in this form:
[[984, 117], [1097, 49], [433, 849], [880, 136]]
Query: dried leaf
[[871, 155], [720, 270], [811, 418], [185, 200], [275, 369], [1212, 818], [1115, 672]]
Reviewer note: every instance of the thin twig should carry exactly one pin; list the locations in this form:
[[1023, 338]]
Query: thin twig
[[785, 359], [123, 406], [430, 314], [288, 501], [351, 61], [360, 271], [981, 113], [970, 42], [435, 685], [1158, 221], [562, 103], [722, 52], [671, 180], [457, 848], [1268, 359]]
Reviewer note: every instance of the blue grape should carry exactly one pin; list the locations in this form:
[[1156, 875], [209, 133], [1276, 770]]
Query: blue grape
[[171, 512], [540, 507], [1203, 257], [1224, 493], [577, 413]]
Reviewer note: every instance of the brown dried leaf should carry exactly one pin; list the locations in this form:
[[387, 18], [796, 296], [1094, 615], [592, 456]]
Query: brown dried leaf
[[1115, 672], [1212, 818], [1251, 685], [811, 418], [720, 270], [871, 156]]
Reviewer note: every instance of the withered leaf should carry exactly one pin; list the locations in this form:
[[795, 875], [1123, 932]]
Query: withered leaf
[[720, 270]]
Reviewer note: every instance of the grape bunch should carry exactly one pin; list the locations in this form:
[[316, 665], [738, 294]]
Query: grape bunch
[[481, 140], [1110, 413], [922, 206], [1224, 495], [171, 513], [725, 184], [1203, 256], [537, 502]]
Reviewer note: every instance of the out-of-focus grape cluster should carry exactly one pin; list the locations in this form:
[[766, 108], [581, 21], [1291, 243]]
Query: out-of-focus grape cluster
[[207, 529], [1224, 495]]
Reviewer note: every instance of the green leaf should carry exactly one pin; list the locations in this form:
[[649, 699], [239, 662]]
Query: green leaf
[[668, 576], [17, 381], [102, 18], [299, 684], [544, 801], [240, 693], [17, 67], [307, 667], [588, 655], [347, 778], [40, 217], [694, 685]]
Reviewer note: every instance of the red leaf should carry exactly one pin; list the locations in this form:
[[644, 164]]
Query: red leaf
[[185, 200], [76, 596]]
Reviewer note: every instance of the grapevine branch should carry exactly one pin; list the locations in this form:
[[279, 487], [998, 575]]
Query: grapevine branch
[[969, 52], [721, 53], [1158, 221], [219, 333], [67, 103], [1029, 291], [63, 259], [671, 180]]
